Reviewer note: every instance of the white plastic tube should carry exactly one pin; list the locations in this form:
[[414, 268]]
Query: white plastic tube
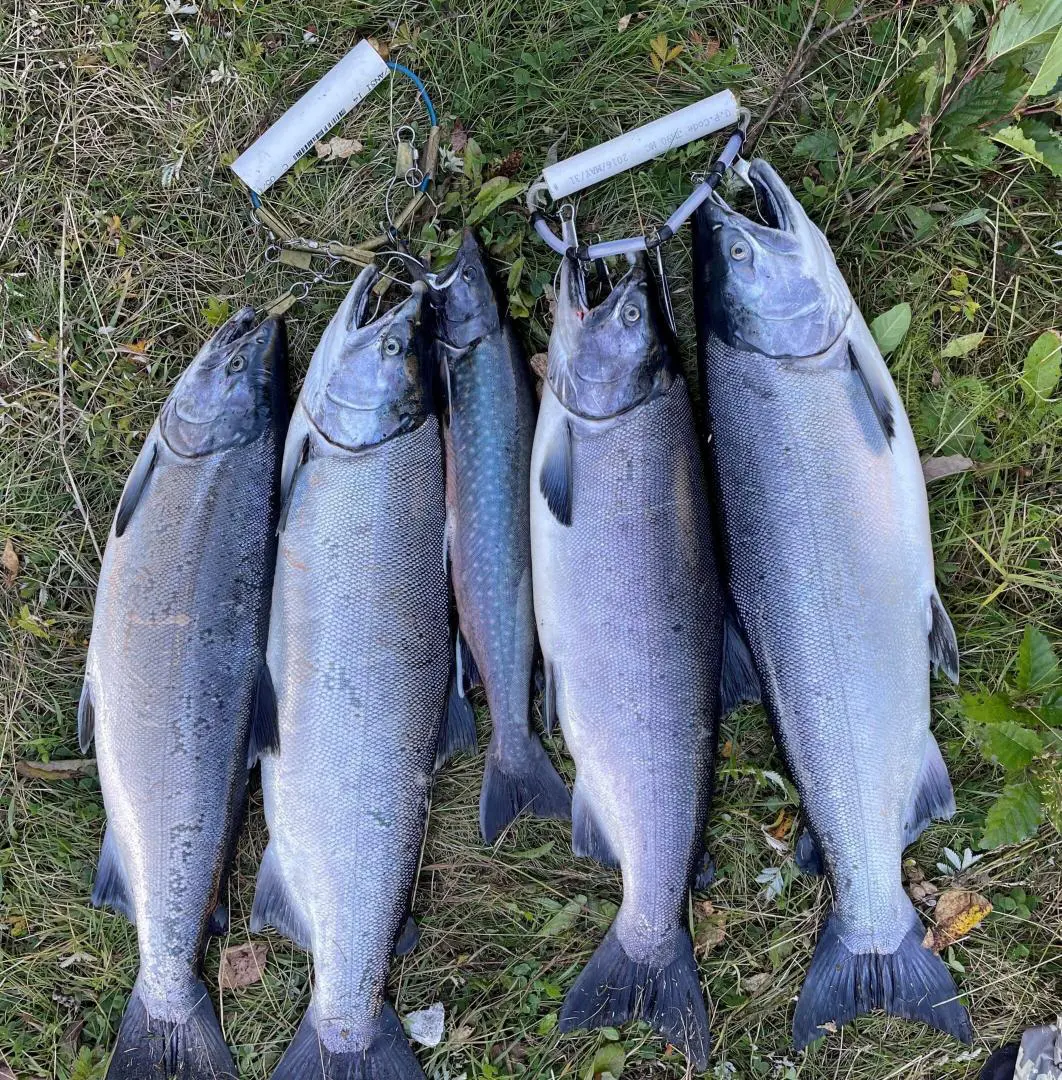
[[636, 147], [322, 106]]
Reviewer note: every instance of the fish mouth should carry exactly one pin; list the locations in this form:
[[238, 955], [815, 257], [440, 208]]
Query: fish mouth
[[468, 252], [573, 292], [780, 213]]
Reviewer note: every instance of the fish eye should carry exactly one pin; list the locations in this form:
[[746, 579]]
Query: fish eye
[[739, 251], [236, 364], [631, 313], [392, 346], [468, 275]]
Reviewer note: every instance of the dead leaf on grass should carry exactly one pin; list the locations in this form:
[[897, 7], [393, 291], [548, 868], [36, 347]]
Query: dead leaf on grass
[[755, 983], [65, 769], [458, 136], [538, 362], [623, 23], [9, 563], [337, 149], [936, 468], [958, 912], [710, 927], [243, 965]]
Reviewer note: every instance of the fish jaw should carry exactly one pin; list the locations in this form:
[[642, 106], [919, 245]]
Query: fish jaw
[[234, 390], [464, 300], [367, 381], [607, 359], [774, 288]]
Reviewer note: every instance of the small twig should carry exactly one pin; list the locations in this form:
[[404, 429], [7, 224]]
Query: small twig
[[805, 50]]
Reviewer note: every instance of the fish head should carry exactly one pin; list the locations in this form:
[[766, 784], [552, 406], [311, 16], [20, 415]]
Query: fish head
[[367, 380], [234, 389], [607, 359], [466, 308], [774, 287]]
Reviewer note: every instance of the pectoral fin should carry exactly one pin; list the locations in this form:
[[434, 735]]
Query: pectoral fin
[[135, 485], [86, 719], [555, 479], [876, 391]]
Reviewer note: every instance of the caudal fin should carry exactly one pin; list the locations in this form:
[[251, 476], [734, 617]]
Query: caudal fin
[[613, 989], [191, 1049], [517, 783], [388, 1056], [911, 982]]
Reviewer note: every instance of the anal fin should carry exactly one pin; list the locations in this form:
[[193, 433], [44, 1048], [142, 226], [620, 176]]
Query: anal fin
[[588, 840], [273, 904], [738, 681], [943, 645], [408, 937], [111, 888], [934, 799], [265, 729]]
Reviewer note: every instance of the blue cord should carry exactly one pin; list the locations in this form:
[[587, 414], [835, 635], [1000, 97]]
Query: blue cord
[[419, 84]]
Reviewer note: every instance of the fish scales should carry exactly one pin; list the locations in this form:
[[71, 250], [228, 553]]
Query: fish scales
[[360, 575]]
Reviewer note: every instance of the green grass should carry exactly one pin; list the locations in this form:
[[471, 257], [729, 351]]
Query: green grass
[[97, 256]]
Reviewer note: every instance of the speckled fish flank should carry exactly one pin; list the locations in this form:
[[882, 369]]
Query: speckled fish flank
[[831, 570], [490, 427], [175, 659]]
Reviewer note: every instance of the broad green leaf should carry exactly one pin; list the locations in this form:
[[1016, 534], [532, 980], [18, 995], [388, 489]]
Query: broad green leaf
[[1050, 70], [1048, 143], [891, 135], [890, 327], [1009, 745], [1021, 24], [972, 217], [564, 919], [215, 311], [963, 345], [818, 146], [1037, 663], [1016, 139], [1043, 366], [989, 709], [515, 271], [1013, 817], [1050, 710], [608, 1061], [498, 197], [963, 19], [950, 57]]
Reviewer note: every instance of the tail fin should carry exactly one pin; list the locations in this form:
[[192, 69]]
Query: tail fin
[[513, 784], [613, 988], [911, 982], [388, 1057], [192, 1049]]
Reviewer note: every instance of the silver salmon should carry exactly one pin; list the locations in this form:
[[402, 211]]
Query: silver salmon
[[491, 423], [359, 658], [831, 569], [630, 621], [172, 683]]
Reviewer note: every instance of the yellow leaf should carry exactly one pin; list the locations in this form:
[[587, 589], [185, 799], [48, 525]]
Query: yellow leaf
[[9, 563], [958, 912], [659, 46], [673, 52]]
